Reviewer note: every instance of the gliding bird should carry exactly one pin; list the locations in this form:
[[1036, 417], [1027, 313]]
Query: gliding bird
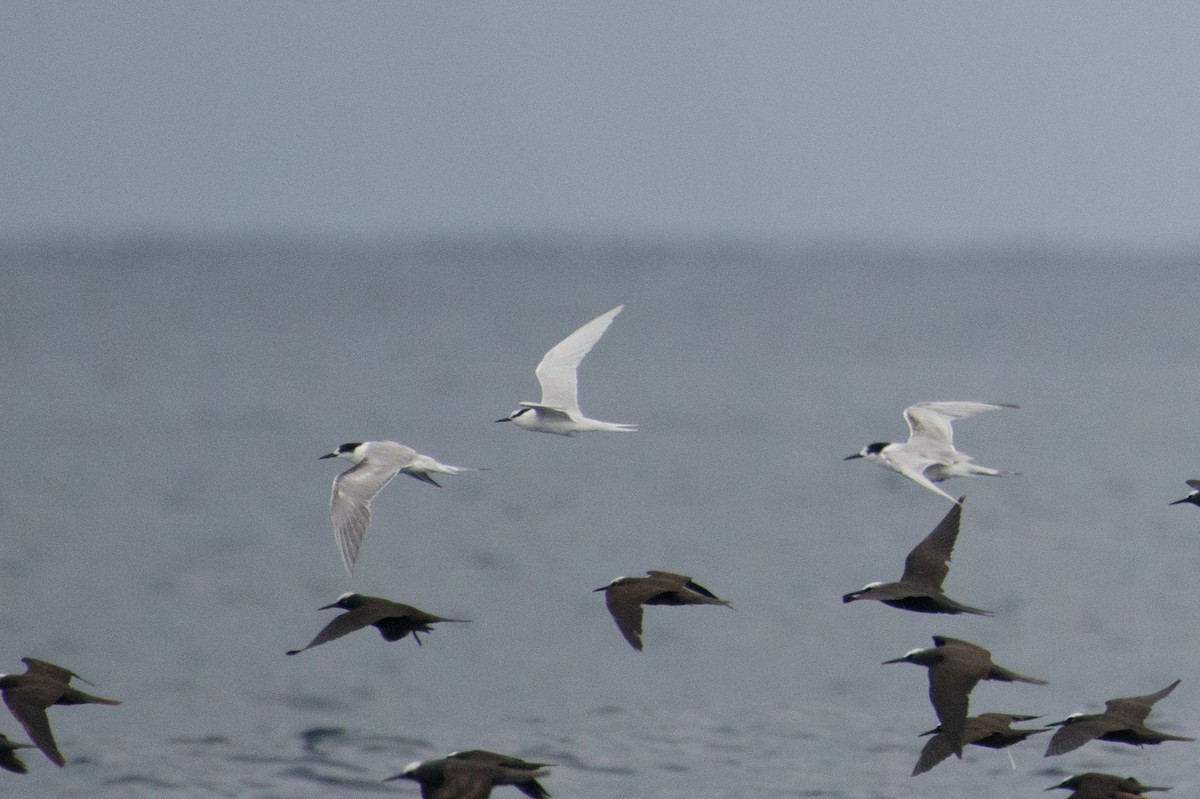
[[929, 455], [375, 464], [558, 412]]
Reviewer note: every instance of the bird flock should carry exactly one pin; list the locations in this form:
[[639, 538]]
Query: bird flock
[[953, 666]]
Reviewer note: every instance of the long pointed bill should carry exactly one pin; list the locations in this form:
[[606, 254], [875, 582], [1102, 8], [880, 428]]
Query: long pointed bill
[[852, 457], [330, 455]]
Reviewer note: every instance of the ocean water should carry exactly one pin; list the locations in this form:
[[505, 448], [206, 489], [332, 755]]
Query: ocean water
[[166, 529]]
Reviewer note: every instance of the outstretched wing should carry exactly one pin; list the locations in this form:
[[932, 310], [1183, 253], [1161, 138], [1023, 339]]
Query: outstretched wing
[[627, 613], [350, 505], [344, 624], [1135, 709], [557, 369], [28, 704], [930, 421], [929, 561]]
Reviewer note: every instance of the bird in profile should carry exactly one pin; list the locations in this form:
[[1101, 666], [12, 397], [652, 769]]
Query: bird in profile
[[8, 755], [1121, 722], [558, 412], [929, 455], [1193, 497], [1095, 785], [28, 696], [393, 620], [626, 595], [955, 666], [473, 774], [920, 587], [992, 730], [375, 464]]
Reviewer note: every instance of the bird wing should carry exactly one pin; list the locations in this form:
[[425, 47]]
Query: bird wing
[[949, 688], [935, 750], [50, 670], [1074, 735], [1135, 709], [915, 471], [28, 705], [343, 624], [930, 421], [557, 369], [627, 613], [929, 561], [464, 781], [350, 504]]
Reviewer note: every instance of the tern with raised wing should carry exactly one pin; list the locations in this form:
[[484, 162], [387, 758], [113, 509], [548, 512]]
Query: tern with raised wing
[[558, 411], [929, 456]]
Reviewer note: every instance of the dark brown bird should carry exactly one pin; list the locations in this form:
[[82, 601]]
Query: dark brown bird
[[8, 755], [392, 619], [993, 730], [1193, 497], [1094, 785], [920, 587], [626, 595], [1121, 722], [955, 666], [28, 696], [473, 774]]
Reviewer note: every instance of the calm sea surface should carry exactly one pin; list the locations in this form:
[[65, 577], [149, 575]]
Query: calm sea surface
[[166, 531]]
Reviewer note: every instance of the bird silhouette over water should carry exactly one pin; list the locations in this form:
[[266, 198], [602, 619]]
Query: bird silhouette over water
[[1095, 785], [473, 774], [955, 666], [1193, 496], [929, 455], [8, 755], [28, 696], [558, 412], [1121, 722], [376, 463], [920, 586], [991, 730], [393, 620], [626, 595]]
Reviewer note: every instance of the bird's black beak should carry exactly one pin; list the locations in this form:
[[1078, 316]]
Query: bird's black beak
[[329, 607], [330, 455], [601, 588], [852, 457], [505, 419], [1178, 501], [893, 660]]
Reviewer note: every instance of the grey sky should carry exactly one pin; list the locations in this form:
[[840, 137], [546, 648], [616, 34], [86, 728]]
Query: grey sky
[[944, 122]]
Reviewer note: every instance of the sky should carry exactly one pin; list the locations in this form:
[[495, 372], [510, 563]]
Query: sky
[[928, 122]]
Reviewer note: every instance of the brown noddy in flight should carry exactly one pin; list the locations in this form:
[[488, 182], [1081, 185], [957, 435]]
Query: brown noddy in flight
[[626, 595], [473, 774], [993, 730], [920, 586], [1121, 722], [393, 620], [955, 666], [1095, 785], [1193, 497], [8, 755], [28, 696]]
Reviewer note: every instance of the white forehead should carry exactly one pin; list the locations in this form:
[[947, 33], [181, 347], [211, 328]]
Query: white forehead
[[411, 767], [346, 595], [875, 584], [912, 652]]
